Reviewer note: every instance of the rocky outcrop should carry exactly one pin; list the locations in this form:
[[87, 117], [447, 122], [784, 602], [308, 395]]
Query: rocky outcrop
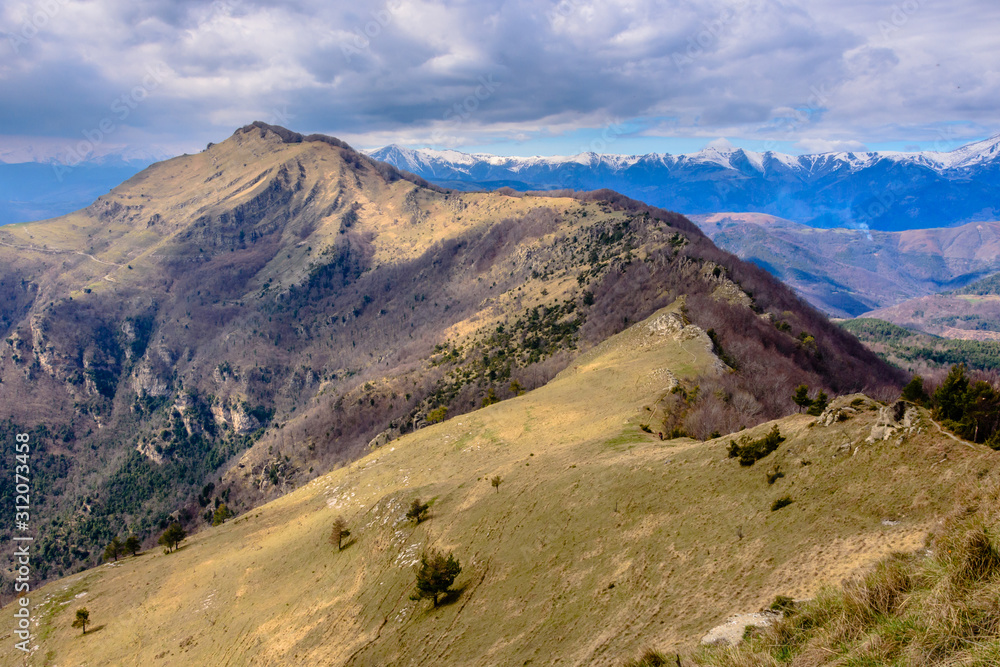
[[727, 290], [732, 631], [150, 451], [185, 406], [678, 326], [900, 418], [145, 381], [236, 415], [383, 438]]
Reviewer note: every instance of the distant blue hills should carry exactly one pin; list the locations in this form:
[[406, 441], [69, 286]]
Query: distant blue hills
[[36, 191], [889, 191]]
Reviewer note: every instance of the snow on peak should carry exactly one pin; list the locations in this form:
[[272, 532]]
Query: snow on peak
[[719, 151], [979, 152]]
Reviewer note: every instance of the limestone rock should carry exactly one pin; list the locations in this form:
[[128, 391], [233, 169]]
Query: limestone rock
[[900, 418], [383, 438], [731, 632]]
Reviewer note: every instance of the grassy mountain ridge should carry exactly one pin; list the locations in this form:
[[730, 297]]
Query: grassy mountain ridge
[[601, 539], [229, 325]]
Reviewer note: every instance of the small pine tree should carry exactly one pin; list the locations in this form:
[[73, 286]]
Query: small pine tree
[[132, 545], [339, 532], [417, 511], [221, 514], [435, 575], [914, 391], [114, 549], [949, 399], [496, 481], [818, 404], [172, 536], [490, 398], [82, 619], [801, 397]]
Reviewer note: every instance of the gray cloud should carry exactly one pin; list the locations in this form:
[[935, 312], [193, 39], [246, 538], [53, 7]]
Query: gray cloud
[[414, 70]]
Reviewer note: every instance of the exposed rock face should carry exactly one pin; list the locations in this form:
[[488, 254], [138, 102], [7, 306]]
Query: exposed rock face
[[243, 421], [146, 381], [832, 415], [679, 327], [236, 415], [186, 408], [148, 449], [727, 290], [900, 418], [383, 438]]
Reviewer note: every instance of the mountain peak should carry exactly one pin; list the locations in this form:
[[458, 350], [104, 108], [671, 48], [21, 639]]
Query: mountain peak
[[290, 137]]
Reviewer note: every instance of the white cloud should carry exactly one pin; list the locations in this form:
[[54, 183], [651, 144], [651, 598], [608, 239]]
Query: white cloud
[[842, 71]]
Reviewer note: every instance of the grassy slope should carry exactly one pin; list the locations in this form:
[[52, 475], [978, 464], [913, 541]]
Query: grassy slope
[[587, 501], [940, 606]]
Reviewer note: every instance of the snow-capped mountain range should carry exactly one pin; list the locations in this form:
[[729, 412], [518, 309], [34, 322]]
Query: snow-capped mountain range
[[878, 189]]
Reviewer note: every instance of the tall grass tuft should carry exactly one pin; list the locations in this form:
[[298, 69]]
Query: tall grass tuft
[[940, 606]]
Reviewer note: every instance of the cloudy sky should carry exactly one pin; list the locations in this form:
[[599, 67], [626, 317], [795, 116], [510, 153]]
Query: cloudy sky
[[516, 77]]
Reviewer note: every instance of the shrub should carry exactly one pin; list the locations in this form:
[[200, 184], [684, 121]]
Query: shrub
[[750, 451], [435, 575], [801, 397], [437, 415], [417, 511], [783, 501], [783, 604], [339, 532], [82, 619], [221, 514], [649, 658], [114, 549], [774, 474], [132, 545]]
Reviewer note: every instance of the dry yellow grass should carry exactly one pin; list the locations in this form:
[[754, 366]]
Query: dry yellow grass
[[600, 542]]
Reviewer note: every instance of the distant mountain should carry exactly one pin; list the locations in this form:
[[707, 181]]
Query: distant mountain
[[37, 191], [878, 190], [849, 272], [42, 181]]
